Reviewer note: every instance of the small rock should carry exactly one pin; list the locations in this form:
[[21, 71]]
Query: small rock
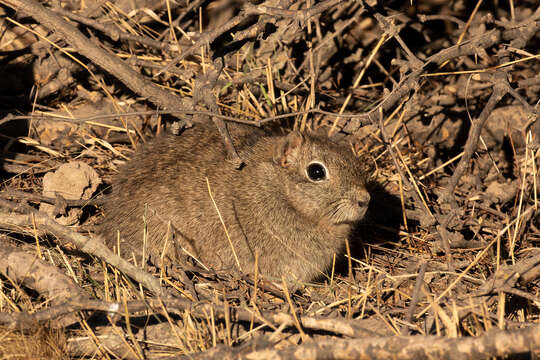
[[501, 193], [509, 121], [72, 181]]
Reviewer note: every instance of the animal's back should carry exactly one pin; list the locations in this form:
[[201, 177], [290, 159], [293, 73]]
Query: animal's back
[[165, 181]]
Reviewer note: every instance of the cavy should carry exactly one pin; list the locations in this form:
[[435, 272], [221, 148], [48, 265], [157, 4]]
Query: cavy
[[293, 204]]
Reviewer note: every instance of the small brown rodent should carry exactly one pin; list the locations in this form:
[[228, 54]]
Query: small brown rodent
[[294, 202]]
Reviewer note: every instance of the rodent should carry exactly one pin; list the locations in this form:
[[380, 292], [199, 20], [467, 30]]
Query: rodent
[[294, 202]]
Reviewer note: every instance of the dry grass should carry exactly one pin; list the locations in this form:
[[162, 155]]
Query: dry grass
[[40, 343], [423, 267]]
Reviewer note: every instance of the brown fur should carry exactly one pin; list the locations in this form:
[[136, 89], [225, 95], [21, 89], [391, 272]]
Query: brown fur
[[269, 207]]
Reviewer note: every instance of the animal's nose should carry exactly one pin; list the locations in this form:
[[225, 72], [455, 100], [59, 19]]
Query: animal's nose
[[363, 199]]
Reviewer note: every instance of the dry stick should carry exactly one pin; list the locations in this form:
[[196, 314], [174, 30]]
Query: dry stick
[[193, 5], [477, 258], [525, 31], [359, 78], [416, 293], [528, 108], [331, 36], [108, 62], [528, 269], [424, 18], [442, 228], [112, 32], [410, 82], [253, 31], [299, 15], [207, 38], [92, 246], [520, 293], [265, 285], [203, 91], [186, 281], [223, 224], [293, 310], [392, 30], [503, 280], [405, 179], [90, 120], [58, 201], [313, 75], [270, 15], [37, 274], [492, 344], [25, 320], [500, 88], [513, 291], [524, 272]]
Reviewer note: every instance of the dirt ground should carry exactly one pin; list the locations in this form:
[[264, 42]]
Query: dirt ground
[[440, 100]]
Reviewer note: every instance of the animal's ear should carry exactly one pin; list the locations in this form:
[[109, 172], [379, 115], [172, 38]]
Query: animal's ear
[[287, 148]]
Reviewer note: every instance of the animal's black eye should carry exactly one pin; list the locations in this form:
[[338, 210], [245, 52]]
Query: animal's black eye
[[316, 172]]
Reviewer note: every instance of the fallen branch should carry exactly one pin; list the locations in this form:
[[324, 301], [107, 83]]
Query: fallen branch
[[22, 267], [492, 344], [350, 328], [91, 246]]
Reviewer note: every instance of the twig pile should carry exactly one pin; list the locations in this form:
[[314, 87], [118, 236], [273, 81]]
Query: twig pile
[[441, 99]]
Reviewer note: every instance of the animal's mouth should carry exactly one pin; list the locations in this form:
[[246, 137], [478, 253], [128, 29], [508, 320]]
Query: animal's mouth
[[355, 216], [348, 212]]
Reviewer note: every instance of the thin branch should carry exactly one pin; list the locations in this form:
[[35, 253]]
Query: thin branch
[[93, 246]]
